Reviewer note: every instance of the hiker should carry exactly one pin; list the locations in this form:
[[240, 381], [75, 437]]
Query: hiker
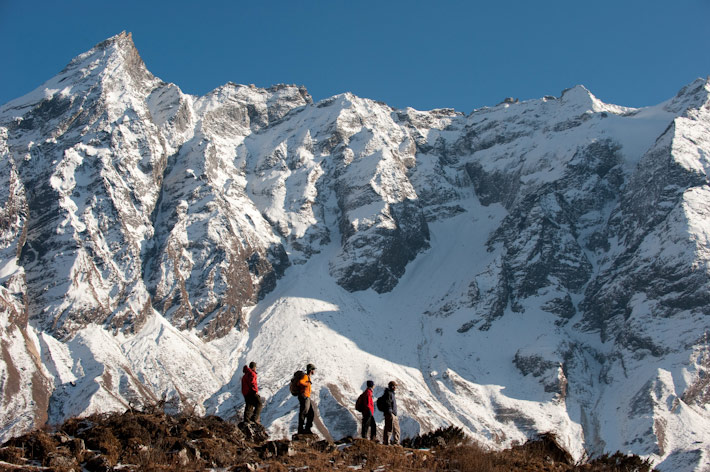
[[252, 401], [391, 421], [306, 406], [366, 406]]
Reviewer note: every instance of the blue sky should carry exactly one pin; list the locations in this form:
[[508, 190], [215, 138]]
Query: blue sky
[[460, 54]]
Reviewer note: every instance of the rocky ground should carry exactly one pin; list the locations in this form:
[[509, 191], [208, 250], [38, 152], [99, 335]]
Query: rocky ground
[[153, 440]]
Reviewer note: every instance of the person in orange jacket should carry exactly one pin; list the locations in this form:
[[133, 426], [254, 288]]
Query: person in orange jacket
[[306, 411], [250, 389]]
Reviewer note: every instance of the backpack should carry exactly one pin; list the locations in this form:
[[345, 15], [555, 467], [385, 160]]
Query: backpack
[[294, 386], [360, 404], [382, 403]]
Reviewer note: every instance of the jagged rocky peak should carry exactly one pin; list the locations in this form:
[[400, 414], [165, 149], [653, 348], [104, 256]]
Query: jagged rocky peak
[[579, 94], [249, 106], [114, 61], [695, 95], [582, 104], [659, 222], [90, 160], [380, 217], [120, 48]]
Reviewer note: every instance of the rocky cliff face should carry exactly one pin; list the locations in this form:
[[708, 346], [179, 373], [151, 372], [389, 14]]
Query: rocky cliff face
[[185, 232], [120, 169]]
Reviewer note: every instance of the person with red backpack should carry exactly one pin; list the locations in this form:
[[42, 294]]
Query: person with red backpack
[[250, 389], [366, 406]]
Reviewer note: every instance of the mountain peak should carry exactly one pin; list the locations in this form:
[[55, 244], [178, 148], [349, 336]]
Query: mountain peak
[[123, 40], [580, 96], [699, 85], [120, 45], [577, 91], [88, 67], [694, 95], [114, 62]]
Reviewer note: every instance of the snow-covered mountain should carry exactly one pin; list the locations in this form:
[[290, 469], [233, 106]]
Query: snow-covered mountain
[[536, 266]]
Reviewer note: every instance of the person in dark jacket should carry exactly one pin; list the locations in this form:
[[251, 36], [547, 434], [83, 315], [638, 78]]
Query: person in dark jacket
[[306, 412], [250, 389], [391, 420], [368, 412]]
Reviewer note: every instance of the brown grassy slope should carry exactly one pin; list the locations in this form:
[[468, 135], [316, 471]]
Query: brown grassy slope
[[155, 441]]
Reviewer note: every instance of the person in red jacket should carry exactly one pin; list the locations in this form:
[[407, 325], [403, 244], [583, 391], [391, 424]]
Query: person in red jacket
[[250, 389], [368, 412]]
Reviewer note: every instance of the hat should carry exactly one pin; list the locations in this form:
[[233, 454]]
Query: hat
[[310, 367], [392, 384], [252, 365], [370, 384]]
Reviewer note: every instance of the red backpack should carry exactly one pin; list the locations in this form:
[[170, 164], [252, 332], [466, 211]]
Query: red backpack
[[361, 403]]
